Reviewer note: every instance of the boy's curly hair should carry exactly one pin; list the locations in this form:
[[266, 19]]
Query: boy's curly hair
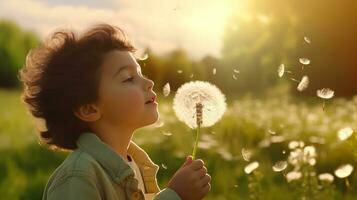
[[62, 74]]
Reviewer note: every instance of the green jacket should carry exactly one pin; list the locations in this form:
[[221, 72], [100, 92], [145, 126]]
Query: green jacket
[[95, 171]]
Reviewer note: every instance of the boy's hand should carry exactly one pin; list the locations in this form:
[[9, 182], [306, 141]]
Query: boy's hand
[[191, 181]]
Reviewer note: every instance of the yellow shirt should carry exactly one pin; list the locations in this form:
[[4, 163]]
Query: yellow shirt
[[138, 176]]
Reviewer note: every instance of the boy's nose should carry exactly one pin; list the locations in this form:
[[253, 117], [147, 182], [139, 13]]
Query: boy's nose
[[150, 84]]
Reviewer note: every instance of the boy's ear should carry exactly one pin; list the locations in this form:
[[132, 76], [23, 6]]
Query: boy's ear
[[88, 113]]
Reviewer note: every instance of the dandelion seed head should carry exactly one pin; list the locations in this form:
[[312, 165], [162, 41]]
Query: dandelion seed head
[[166, 89], [251, 167], [191, 93], [303, 84], [344, 133], [325, 93], [327, 177], [344, 171]]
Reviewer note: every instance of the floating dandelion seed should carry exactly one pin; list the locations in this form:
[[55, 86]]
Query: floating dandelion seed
[[246, 154], [179, 71], [304, 83], [344, 133], [304, 61], [271, 132], [307, 40], [251, 167], [143, 57], [325, 93], [214, 71], [327, 177], [191, 76], [167, 133], [234, 77], [199, 104], [344, 171], [236, 71], [164, 166], [280, 166], [166, 89], [281, 70]]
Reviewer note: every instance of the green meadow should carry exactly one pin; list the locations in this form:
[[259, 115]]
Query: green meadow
[[252, 130]]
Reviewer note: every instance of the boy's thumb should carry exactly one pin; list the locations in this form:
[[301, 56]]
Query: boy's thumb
[[188, 161]]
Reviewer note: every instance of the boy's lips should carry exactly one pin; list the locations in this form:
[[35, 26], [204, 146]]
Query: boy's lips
[[152, 100]]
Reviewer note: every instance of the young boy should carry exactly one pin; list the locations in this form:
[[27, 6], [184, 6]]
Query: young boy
[[91, 95]]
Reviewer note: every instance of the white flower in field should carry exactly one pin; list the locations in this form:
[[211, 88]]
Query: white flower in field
[[304, 61], [294, 144], [325, 93], [280, 166], [205, 93], [281, 70], [293, 175], [344, 133], [251, 167], [166, 89], [310, 155], [344, 171], [246, 154], [327, 177], [300, 156], [304, 83]]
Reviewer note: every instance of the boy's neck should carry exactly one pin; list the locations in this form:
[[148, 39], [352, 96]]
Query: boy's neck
[[117, 138]]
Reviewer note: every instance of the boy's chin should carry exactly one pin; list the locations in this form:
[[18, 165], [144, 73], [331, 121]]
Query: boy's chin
[[152, 120]]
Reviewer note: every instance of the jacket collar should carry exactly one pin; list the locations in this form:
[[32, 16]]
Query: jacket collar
[[115, 165]]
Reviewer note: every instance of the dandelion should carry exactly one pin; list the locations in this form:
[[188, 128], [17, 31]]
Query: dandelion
[[251, 167], [166, 89], [307, 40], [199, 104], [280, 166], [325, 93], [344, 171], [281, 70], [327, 177], [303, 84], [344, 133]]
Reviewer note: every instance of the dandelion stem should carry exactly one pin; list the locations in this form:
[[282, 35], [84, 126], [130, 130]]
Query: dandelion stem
[[196, 142]]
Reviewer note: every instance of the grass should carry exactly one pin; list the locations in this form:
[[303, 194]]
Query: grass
[[249, 123]]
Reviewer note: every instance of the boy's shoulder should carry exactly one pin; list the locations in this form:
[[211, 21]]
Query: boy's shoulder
[[77, 163]]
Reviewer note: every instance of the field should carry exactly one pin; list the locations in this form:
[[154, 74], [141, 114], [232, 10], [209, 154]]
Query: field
[[266, 130]]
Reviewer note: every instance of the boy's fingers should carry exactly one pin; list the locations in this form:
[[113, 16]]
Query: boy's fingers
[[203, 171], [197, 164], [188, 161]]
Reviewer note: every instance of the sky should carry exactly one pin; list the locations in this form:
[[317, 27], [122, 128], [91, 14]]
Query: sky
[[197, 26]]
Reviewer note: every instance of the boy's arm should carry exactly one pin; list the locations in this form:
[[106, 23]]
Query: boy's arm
[[74, 188], [167, 194]]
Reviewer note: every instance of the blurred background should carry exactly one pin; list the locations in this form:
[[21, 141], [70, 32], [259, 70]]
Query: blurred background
[[256, 52]]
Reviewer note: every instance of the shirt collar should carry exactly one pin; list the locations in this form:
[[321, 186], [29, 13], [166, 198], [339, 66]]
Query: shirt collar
[[114, 164]]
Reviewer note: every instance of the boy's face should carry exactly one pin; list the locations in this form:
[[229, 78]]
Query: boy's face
[[126, 97]]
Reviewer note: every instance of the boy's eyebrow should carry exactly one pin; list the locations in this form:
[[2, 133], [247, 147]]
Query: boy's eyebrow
[[122, 68]]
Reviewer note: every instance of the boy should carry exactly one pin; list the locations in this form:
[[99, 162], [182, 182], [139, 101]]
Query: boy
[[91, 95]]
